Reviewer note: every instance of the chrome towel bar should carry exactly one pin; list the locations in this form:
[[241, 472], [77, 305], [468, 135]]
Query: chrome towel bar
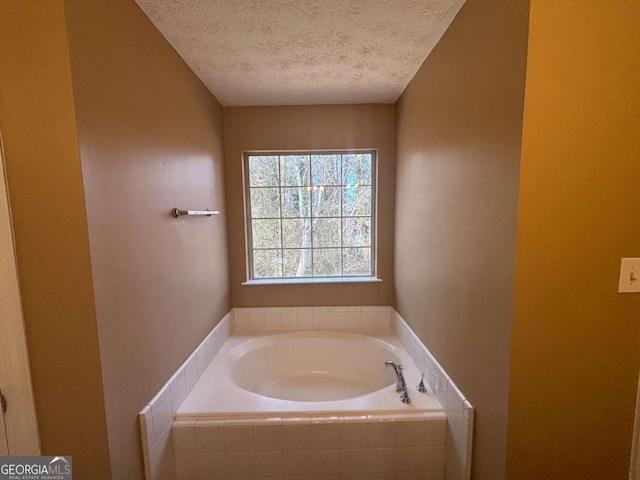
[[178, 213]]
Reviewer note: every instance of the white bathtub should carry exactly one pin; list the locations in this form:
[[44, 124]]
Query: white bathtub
[[308, 404], [318, 372]]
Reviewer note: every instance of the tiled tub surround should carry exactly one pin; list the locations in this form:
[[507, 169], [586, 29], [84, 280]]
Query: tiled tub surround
[[156, 418], [353, 447], [457, 408], [454, 437], [308, 318]]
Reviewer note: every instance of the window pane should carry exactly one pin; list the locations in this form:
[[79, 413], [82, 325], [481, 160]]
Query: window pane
[[356, 201], [326, 201], [356, 169], [326, 262], [263, 171], [326, 232], [296, 202], [356, 232], [296, 233], [310, 214], [265, 202], [267, 263], [294, 170], [357, 261], [297, 263], [265, 233], [325, 169]]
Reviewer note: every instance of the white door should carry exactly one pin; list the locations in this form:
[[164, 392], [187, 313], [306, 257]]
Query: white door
[[18, 425], [4, 445]]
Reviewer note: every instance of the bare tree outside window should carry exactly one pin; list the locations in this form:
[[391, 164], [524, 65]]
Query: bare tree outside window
[[310, 214]]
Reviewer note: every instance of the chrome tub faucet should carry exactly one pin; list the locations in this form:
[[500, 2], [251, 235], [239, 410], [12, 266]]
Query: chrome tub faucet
[[401, 385]]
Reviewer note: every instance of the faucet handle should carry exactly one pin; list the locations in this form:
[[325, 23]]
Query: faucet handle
[[421, 386]]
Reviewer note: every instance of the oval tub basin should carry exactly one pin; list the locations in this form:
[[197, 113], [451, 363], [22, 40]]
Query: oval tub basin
[[312, 368], [314, 372]]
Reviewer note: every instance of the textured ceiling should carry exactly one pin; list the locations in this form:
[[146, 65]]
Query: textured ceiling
[[299, 52]]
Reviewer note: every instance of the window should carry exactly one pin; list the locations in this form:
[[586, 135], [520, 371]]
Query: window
[[311, 214]]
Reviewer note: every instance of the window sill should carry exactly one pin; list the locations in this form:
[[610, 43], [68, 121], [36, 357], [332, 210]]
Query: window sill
[[311, 281]]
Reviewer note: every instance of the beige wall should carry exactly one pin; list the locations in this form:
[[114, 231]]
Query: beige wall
[[150, 138], [458, 137], [575, 354], [300, 128], [49, 219]]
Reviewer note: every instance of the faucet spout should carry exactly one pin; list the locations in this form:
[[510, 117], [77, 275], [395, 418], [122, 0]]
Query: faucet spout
[[401, 385]]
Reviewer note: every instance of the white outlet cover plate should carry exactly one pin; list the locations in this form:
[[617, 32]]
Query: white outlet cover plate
[[629, 275]]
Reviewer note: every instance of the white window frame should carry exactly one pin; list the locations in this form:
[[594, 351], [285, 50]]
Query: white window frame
[[251, 280]]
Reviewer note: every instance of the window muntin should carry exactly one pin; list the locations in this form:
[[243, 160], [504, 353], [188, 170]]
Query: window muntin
[[310, 214]]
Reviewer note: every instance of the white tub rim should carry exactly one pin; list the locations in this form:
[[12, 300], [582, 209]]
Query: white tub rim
[[213, 400]]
